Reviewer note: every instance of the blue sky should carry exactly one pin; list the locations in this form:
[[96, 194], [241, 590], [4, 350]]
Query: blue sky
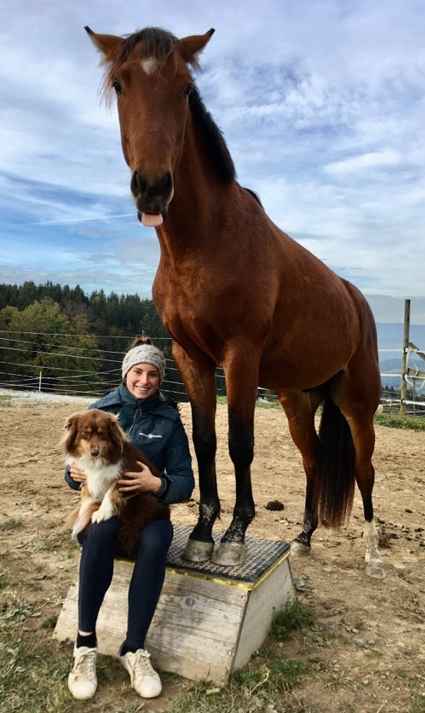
[[321, 102]]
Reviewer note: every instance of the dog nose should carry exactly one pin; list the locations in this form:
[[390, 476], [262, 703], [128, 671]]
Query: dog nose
[[94, 452]]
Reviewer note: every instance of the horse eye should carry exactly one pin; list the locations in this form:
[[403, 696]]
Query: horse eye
[[117, 86], [187, 91]]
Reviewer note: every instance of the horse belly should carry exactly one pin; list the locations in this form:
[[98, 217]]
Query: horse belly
[[305, 362]]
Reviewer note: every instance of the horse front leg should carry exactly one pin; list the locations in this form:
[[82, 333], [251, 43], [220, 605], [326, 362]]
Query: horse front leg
[[241, 397], [200, 544], [199, 380]]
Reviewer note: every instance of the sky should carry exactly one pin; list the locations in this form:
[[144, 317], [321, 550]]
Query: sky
[[322, 105]]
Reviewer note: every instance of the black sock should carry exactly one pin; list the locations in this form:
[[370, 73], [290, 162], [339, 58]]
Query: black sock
[[89, 640], [125, 649]]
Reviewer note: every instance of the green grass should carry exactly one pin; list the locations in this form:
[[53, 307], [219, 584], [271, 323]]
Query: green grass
[[10, 524], [417, 691], [34, 670], [413, 423], [263, 684], [289, 620]]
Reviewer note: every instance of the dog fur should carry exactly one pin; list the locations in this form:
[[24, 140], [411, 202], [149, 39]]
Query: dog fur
[[95, 442]]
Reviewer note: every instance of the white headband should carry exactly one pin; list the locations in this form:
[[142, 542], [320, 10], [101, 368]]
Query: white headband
[[144, 354]]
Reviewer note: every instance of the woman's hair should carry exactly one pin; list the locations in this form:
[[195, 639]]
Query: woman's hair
[[138, 340]]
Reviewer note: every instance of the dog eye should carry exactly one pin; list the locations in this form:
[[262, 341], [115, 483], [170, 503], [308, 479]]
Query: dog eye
[[85, 434]]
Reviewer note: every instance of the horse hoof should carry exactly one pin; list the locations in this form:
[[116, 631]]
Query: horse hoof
[[230, 554], [197, 551], [375, 570], [299, 550]]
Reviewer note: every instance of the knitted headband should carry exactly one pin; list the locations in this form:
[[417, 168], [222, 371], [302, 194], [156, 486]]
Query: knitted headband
[[144, 354]]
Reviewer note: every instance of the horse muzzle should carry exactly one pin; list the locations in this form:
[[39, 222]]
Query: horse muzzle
[[152, 199]]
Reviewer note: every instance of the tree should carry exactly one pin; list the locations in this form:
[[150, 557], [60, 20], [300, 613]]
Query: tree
[[39, 347]]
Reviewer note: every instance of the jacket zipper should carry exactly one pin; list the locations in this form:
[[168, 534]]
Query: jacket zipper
[[136, 413]]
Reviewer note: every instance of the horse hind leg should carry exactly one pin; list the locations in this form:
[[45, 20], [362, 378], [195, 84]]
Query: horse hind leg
[[374, 567], [300, 409], [301, 546], [365, 477], [363, 437]]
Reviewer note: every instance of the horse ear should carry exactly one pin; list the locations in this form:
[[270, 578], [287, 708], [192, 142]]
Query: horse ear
[[108, 45], [189, 47]]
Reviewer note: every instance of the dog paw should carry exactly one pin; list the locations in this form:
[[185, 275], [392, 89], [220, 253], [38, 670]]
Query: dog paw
[[98, 516], [104, 513]]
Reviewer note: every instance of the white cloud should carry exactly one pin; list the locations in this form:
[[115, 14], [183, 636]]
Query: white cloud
[[374, 159], [321, 103]]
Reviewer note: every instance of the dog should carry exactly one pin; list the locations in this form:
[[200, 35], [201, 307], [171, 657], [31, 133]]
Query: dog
[[95, 442]]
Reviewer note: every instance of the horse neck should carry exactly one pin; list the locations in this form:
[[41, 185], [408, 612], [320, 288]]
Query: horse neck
[[200, 201]]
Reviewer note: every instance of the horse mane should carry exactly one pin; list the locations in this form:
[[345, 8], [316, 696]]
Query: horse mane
[[212, 136], [254, 195], [160, 44]]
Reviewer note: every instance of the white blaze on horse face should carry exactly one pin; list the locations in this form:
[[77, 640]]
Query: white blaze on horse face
[[149, 65]]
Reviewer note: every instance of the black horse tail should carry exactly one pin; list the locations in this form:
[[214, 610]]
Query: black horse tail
[[335, 475]]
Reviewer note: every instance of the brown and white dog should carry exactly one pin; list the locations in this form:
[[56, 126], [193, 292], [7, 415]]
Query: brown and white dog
[[95, 442]]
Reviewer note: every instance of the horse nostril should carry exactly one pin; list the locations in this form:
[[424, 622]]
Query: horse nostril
[[166, 184], [138, 184], [140, 187]]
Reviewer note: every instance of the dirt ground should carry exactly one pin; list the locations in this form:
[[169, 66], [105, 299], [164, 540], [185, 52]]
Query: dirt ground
[[367, 652]]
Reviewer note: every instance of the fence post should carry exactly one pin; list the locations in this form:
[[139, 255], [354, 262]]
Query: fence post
[[39, 380], [406, 340]]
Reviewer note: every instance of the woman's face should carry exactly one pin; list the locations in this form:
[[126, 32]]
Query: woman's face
[[142, 380]]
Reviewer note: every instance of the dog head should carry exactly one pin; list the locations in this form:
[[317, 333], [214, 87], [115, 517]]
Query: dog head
[[95, 434]]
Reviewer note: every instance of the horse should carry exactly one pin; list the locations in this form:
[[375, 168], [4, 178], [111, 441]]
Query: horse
[[233, 290]]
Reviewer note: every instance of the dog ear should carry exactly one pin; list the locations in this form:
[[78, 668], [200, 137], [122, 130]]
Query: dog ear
[[71, 429], [117, 435]]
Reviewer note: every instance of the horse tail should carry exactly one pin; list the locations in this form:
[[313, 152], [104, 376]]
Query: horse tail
[[335, 475]]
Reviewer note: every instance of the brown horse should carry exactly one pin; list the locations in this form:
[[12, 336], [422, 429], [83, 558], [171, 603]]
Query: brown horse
[[234, 290]]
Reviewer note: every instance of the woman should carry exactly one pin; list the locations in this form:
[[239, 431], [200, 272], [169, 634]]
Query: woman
[[154, 426]]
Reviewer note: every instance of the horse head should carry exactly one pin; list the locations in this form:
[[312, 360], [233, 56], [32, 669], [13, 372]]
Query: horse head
[[149, 73]]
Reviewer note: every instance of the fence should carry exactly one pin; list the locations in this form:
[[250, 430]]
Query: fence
[[66, 369]]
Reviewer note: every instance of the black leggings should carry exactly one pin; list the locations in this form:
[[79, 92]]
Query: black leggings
[[98, 543]]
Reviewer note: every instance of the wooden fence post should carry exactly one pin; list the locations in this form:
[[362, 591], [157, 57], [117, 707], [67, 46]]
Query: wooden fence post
[[406, 339]]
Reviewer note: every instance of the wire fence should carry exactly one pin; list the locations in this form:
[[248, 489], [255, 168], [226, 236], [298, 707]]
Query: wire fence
[[63, 367], [64, 364]]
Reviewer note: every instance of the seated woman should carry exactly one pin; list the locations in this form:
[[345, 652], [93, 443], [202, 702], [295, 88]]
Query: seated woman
[[154, 426]]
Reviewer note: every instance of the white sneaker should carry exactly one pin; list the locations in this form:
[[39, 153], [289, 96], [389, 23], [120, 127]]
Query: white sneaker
[[144, 678], [82, 681]]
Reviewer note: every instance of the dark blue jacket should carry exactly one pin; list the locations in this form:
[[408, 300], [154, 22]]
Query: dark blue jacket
[[154, 427]]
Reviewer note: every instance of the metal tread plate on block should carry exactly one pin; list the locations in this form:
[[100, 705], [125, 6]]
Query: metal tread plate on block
[[262, 558]]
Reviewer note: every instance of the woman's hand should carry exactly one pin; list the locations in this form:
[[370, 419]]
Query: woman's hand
[[77, 474], [141, 481]]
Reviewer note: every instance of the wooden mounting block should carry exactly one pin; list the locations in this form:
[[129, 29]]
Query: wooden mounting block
[[209, 619]]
